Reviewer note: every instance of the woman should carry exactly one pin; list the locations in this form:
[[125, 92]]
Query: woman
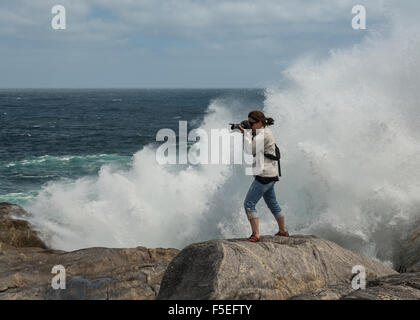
[[263, 184]]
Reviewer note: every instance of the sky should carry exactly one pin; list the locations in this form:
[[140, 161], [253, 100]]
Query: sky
[[172, 43]]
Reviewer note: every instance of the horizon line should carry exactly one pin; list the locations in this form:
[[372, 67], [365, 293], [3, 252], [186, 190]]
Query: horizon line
[[125, 88]]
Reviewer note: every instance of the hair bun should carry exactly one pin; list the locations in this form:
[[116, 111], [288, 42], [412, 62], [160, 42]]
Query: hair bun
[[269, 121]]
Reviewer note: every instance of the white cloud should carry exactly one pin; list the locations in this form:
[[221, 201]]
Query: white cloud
[[185, 18], [234, 33]]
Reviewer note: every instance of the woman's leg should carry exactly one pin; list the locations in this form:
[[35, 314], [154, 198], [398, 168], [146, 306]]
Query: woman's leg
[[273, 205], [280, 222], [255, 227], [255, 192]]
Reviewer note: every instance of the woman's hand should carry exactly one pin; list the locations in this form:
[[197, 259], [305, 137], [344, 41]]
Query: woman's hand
[[242, 129]]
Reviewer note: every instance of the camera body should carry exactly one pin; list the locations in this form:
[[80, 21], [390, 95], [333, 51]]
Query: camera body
[[244, 124]]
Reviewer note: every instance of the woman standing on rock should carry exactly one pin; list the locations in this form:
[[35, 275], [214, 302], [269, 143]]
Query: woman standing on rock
[[263, 184]]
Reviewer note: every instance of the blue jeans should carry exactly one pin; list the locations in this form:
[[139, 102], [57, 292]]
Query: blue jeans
[[255, 192]]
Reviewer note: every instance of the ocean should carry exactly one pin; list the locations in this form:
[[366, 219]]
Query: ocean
[[83, 162], [47, 135]]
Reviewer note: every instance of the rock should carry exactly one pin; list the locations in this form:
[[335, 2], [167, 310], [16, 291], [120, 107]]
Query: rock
[[16, 232], [299, 267], [334, 292], [277, 268], [409, 254], [92, 273], [11, 209], [404, 286]]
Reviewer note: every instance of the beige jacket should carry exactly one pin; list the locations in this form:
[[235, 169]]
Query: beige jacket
[[265, 140]]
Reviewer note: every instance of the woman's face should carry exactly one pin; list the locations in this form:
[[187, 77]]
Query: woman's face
[[256, 125]]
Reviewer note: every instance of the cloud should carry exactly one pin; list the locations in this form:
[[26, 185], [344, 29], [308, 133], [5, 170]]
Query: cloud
[[188, 19], [124, 33]]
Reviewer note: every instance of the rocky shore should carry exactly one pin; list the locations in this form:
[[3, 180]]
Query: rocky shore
[[299, 267], [93, 273]]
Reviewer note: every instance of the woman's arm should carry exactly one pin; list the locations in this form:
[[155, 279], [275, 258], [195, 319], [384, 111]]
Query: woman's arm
[[250, 143]]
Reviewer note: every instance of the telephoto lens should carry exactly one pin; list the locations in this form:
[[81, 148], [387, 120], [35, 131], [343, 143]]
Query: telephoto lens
[[245, 124]]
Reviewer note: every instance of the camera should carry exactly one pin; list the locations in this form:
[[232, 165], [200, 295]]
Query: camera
[[245, 124]]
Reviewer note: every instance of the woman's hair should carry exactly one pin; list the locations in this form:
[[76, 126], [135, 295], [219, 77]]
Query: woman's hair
[[259, 116]]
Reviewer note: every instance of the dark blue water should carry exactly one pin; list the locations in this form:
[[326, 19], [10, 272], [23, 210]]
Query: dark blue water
[[52, 134]]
